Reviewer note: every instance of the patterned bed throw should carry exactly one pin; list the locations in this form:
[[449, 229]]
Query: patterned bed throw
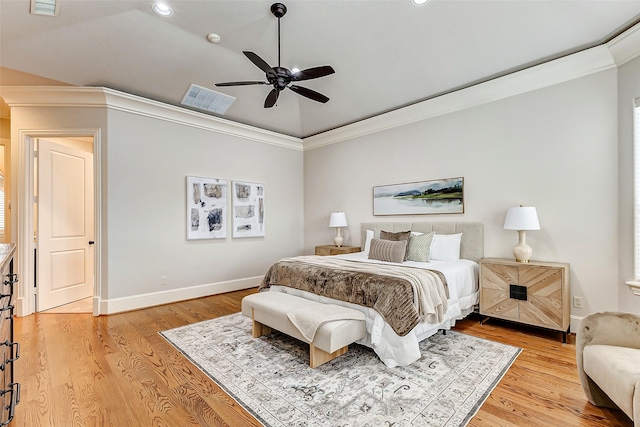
[[404, 296]]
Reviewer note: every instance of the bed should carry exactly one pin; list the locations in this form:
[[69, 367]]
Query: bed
[[394, 345]]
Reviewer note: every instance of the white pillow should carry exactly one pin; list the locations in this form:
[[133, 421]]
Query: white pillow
[[445, 247], [367, 243]]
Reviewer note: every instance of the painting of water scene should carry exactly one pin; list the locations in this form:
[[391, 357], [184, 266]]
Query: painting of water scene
[[442, 196]]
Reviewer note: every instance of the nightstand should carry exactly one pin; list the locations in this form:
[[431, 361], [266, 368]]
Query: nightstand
[[334, 250], [534, 293]]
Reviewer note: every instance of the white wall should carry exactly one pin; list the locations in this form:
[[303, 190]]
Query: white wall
[[553, 148], [148, 161], [628, 90]]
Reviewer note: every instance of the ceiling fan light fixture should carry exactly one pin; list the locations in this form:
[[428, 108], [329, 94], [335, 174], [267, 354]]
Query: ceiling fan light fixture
[[162, 9]]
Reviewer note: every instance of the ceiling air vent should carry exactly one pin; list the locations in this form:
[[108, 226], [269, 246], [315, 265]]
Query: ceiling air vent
[[206, 99], [45, 7]]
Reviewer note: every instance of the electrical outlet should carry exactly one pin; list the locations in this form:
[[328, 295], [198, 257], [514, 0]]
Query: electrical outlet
[[163, 280], [577, 302]]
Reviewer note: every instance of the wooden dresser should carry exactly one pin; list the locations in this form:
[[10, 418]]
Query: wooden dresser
[[534, 293], [9, 349]]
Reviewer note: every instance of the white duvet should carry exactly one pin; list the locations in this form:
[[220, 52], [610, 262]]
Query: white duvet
[[394, 350]]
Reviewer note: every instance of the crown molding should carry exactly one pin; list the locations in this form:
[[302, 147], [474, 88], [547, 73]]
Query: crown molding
[[99, 97], [570, 67], [626, 46]]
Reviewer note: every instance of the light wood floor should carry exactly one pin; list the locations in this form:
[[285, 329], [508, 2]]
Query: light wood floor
[[77, 370], [81, 306]]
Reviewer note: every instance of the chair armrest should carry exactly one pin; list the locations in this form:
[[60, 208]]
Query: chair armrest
[[609, 328]]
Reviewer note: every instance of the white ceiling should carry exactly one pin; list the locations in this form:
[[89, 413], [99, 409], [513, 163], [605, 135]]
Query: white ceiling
[[387, 54]]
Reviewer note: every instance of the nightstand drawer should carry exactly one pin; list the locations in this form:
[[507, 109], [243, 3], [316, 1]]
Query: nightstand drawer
[[334, 250]]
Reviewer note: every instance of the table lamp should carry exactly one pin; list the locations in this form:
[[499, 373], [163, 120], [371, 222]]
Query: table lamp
[[522, 219], [337, 220]]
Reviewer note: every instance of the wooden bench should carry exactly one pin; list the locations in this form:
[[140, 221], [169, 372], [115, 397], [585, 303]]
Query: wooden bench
[[269, 310]]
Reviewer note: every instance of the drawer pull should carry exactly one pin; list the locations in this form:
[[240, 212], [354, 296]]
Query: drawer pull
[[11, 279], [15, 353], [14, 389], [518, 292]]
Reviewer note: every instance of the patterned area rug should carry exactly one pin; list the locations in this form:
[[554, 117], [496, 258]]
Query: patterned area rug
[[271, 378]]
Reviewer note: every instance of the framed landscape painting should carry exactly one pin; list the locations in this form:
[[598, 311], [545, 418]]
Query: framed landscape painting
[[248, 209], [442, 196], [206, 208]]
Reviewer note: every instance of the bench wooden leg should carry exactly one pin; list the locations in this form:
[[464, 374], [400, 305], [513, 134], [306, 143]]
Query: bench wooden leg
[[317, 356], [257, 328]]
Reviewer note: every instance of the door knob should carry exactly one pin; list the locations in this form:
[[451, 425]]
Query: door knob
[[91, 242]]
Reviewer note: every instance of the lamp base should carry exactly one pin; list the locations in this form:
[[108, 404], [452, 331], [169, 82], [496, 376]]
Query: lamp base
[[338, 239], [522, 252]]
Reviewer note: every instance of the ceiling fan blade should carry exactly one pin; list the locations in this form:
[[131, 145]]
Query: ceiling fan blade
[[241, 83], [311, 94], [313, 73], [271, 98], [260, 63]]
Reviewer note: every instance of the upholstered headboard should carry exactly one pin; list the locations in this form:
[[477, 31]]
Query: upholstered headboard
[[471, 246]]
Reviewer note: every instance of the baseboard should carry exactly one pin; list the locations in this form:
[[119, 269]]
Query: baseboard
[[136, 302], [575, 323]]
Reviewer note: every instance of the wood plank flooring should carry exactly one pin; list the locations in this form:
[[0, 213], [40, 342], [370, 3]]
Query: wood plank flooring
[[77, 370]]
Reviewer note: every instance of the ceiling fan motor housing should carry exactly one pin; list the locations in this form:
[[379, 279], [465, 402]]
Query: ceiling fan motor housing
[[279, 77]]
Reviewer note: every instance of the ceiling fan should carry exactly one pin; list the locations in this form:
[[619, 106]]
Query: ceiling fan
[[279, 77]]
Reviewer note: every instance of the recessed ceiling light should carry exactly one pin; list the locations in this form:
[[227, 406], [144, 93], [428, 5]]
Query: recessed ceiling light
[[162, 9], [419, 2]]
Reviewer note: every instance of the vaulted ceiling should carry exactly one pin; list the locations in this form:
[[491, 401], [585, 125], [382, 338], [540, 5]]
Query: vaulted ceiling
[[386, 54]]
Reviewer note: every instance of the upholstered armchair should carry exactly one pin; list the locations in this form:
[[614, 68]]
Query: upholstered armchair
[[608, 358]]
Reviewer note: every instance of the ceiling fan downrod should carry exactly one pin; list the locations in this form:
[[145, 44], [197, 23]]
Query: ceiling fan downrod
[[278, 10]]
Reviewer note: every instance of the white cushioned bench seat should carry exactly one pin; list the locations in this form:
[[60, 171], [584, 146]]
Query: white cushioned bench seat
[[332, 338]]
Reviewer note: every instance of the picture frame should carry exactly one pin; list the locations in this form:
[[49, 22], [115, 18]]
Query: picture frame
[[248, 209], [206, 208], [440, 196]]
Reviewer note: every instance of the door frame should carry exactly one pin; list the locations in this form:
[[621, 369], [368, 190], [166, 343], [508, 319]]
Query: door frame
[[23, 216]]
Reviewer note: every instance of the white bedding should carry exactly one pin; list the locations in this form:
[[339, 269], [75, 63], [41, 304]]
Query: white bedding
[[394, 350]]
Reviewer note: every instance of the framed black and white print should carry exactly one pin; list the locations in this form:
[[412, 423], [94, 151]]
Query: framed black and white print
[[206, 208], [441, 196], [248, 209]]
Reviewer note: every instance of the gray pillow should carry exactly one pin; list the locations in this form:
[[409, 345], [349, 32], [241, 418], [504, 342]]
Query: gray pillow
[[420, 247], [387, 250], [396, 237]]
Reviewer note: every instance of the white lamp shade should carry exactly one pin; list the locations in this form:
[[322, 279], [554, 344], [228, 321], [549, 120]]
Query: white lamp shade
[[338, 219], [521, 218]]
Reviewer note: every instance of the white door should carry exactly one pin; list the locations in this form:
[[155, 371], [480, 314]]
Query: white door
[[65, 229]]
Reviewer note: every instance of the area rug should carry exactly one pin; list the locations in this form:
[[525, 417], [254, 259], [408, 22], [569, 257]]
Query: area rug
[[271, 378]]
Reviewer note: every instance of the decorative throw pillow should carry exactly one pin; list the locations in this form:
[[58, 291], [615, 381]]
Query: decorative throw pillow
[[387, 250], [420, 247], [396, 237], [446, 247]]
